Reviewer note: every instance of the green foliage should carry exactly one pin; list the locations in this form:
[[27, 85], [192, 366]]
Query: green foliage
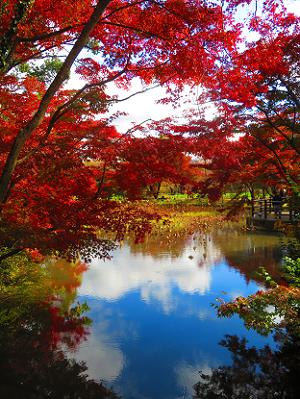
[[292, 271], [38, 322], [25, 283], [266, 276], [44, 72], [21, 277], [275, 309], [6, 40], [267, 311], [267, 372]]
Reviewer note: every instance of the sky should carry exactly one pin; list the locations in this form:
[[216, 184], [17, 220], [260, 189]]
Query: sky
[[144, 106]]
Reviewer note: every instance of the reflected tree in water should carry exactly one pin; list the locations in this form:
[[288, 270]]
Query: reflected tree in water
[[38, 322], [264, 373]]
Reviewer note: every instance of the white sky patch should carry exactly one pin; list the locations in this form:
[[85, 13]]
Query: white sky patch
[[293, 6], [146, 106], [143, 104]]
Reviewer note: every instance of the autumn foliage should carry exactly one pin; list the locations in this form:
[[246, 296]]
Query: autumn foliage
[[61, 156]]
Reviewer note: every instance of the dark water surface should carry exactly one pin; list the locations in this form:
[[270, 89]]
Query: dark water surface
[[154, 327]]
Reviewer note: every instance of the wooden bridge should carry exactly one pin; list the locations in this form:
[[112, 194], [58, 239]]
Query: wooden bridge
[[263, 213]]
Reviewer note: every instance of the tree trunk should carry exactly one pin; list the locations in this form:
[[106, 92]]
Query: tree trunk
[[62, 74]]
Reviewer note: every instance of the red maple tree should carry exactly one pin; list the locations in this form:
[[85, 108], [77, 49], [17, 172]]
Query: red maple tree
[[56, 141]]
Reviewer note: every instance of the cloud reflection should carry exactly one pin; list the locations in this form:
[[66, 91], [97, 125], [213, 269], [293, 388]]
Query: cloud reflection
[[187, 376], [104, 359], [154, 278]]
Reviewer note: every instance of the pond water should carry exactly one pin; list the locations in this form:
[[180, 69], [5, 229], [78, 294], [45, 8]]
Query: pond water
[[153, 326]]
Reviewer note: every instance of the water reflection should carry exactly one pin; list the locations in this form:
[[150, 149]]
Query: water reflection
[[132, 270], [246, 252], [259, 373], [151, 306], [188, 376], [154, 276], [39, 324], [153, 325], [103, 358]]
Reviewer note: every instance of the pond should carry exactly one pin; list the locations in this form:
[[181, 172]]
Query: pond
[[153, 324], [154, 327]]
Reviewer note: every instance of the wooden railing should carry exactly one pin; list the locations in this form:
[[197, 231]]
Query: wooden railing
[[268, 209]]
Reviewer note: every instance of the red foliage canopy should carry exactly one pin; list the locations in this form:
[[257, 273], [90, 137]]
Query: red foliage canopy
[[54, 138]]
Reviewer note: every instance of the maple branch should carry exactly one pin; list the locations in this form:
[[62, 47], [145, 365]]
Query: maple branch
[[278, 130], [138, 30], [119, 100], [129, 131], [60, 111], [290, 91], [36, 56], [100, 184], [9, 58], [47, 35], [36, 120], [280, 166], [112, 143], [133, 128], [64, 108], [295, 112], [116, 10], [172, 12], [148, 68]]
